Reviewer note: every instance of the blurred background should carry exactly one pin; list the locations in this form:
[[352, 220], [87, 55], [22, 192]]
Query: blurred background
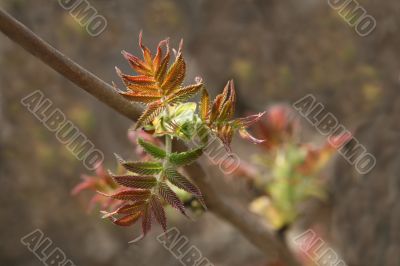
[[276, 51]]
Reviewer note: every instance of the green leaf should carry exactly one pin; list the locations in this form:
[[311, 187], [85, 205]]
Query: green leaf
[[187, 157], [141, 168], [152, 149]]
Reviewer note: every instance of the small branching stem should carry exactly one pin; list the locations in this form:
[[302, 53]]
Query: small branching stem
[[168, 146], [168, 149]]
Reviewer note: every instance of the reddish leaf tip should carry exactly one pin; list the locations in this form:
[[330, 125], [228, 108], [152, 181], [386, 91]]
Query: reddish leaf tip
[[180, 47], [102, 193], [141, 38]]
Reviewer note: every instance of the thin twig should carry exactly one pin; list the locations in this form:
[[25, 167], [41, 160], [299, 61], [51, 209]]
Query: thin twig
[[251, 226]]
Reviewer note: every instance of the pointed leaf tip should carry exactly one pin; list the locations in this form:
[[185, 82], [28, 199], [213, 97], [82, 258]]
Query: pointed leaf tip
[[133, 241], [119, 158], [180, 47], [119, 72], [152, 149], [247, 136]]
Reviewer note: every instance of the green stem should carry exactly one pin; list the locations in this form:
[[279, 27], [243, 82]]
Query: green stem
[[168, 148], [168, 145]]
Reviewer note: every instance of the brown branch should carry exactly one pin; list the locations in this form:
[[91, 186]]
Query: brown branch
[[251, 226]]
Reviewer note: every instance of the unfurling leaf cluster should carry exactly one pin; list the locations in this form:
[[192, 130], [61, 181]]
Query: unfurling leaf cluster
[[149, 185], [146, 186]]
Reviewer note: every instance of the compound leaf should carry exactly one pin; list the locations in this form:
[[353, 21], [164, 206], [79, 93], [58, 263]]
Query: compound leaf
[[185, 158]]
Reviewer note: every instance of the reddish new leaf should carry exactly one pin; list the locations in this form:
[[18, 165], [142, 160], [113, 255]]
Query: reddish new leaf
[[205, 105], [162, 69], [128, 219], [169, 196], [175, 75], [146, 220], [133, 181], [183, 183], [126, 209], [225, 133], [247, 136], [184, 94], [87, 183], [248, 120], [161, 63], [146, 52], [158, 211], [130, 194], [228, 107], [138, 65], [139, 84], [152, 110], [130, 208]]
